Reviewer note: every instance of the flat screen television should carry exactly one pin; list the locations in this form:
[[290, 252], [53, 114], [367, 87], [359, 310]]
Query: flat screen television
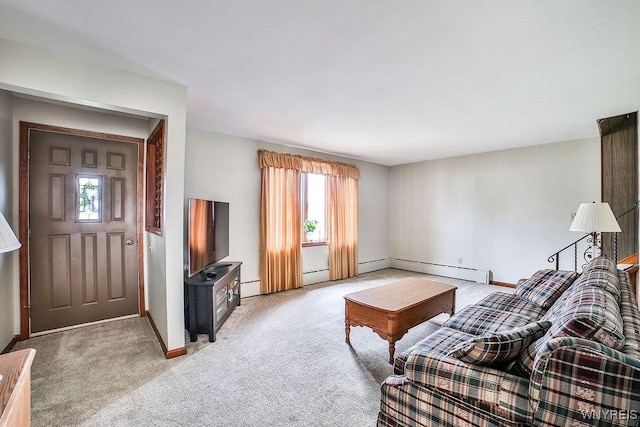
[[208, 229]]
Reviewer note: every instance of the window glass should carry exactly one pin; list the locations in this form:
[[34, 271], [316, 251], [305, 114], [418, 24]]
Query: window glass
[[315, 208], [88, 189]]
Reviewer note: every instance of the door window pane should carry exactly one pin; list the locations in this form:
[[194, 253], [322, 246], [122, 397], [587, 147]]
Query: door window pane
[[89, 197]]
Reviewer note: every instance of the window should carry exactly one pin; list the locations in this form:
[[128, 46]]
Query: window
[[88, 197], [314, 187]]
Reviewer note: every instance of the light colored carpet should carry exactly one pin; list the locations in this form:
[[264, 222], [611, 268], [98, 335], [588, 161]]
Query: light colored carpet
[[279, 360]]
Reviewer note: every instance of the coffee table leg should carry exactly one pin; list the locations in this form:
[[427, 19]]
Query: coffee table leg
[[392, 350], [347, 326]]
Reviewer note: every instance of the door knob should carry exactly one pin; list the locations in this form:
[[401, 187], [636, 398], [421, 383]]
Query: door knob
[[129, 241]]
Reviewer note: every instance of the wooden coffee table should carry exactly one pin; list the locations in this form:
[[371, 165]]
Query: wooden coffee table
[[391, 310]]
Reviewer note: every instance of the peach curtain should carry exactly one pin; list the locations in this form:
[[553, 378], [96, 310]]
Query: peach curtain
[[342, 226], [280, 230], [281, 218], [307, 164]]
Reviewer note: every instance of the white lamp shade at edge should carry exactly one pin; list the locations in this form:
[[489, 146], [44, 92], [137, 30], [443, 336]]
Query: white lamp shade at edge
[[595, 217], [8, 240]]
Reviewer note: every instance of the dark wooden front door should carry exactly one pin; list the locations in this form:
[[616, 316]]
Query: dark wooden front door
[[83, 249]]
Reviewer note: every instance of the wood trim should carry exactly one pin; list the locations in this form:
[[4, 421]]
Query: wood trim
[[23, 209], [176, 352], [309, 244], [631, 259], [503, 284], [12, 343], [23, 228], [154, 192], [142, 309], [81, 132], [169, 354]]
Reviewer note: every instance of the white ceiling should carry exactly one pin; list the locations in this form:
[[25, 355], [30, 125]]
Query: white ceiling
[[390, 82]]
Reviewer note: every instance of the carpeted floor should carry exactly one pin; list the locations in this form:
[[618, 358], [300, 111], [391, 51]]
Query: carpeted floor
[[279, 360]]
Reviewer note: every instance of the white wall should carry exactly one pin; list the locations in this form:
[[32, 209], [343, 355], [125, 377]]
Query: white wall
[[29, 70], [503, 211], [8, 259], [225, 168], [73, 116]]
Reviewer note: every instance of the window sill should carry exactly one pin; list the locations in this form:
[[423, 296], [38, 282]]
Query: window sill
[[310, 244]]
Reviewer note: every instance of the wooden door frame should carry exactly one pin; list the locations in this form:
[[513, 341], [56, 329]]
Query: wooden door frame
[[23, 202]]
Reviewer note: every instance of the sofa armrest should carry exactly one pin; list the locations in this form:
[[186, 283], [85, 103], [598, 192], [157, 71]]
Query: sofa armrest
[[579, 382], [490, 389]]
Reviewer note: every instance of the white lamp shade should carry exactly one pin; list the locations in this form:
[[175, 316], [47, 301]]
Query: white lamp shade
[[595, 217], [8, 240]]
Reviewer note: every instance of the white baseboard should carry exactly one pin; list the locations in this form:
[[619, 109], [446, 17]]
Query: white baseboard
[[313, 277], [375, 265], [319, 276], [464, 273], [250, 289]]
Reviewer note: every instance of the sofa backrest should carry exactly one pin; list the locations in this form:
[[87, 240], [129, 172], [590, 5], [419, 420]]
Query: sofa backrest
[[589, 308]]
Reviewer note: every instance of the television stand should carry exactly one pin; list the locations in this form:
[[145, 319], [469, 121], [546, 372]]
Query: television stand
[[210, 300]]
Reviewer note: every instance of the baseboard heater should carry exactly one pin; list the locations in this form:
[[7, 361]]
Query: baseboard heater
[[252, 287], [455, 271], [363, 263]]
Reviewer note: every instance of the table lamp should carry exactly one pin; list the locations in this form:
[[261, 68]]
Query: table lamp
[[595, 218], [8, 240]]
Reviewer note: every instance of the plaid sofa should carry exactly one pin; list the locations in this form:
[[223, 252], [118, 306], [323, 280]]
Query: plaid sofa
[[563, 350]]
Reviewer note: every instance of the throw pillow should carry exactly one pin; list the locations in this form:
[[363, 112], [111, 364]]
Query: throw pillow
[[499, 347], [589, 313], [545, 286]]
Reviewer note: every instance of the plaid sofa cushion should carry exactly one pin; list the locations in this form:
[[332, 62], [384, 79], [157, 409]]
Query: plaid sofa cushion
[[630, 316], [590, 313], [545, 286], [477, 320], [558, 307], [512, 303], [492, 390], [412, 405], [595, 278], [601, 263], [499, 347], [599, 278], [578, 382], [441, 341]]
